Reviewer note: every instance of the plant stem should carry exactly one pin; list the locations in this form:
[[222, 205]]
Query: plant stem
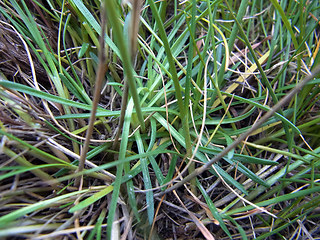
[[126, 59], [96, 97]]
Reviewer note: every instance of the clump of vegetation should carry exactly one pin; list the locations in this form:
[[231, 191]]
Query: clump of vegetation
[[159, 120]]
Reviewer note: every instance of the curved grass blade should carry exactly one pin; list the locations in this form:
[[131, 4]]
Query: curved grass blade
[[26, 169], [285, 197], [213, 209], [286, 22], [43, 95], [6, 219], [49, 157], [90, 200]]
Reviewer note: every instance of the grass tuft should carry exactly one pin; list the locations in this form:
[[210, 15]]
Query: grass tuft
[[159, 119]]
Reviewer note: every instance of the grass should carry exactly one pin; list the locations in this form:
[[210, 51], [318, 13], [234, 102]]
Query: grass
[[172, 120]]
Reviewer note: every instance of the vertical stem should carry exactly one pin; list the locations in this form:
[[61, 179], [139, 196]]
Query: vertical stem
[[124, 102], [113, 17], [133, 31], [185, 119], [96, 97]]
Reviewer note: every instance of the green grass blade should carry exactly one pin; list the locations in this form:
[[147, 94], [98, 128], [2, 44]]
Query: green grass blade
[[90, 200], [213, 209], [122, 156], [146, 178], [6, 219], [78, 4], [43, 95], [113, 16]]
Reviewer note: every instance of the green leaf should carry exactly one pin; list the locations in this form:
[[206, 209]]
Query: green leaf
[[120, 166], [229, 179], [92, 199], [6, 219], [213, 209], [43, 95], [78, 4], [285, 197], [146, 179], [83, 49], [27, 169]]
